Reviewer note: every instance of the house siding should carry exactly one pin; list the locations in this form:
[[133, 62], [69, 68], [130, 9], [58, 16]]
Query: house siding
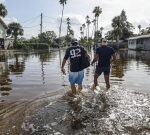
[[134, 44], [147, 44]]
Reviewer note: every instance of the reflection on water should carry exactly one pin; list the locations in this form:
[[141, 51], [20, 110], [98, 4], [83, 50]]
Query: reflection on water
[[28, 75]]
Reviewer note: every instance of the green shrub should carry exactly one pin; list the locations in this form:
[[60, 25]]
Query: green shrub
[[30, 46]]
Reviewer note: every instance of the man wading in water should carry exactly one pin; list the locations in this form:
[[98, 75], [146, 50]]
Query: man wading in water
[[103, 55], [76, 75]]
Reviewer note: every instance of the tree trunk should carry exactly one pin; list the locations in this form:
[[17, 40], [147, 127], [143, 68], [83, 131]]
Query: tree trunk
[[61, 21], [88, 33], [118, 37], [97, 22], [15, 41]]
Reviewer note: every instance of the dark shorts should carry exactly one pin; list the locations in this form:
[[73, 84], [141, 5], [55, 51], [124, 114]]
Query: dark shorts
[[105, 70]]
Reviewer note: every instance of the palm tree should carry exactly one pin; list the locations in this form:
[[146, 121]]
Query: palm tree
[[14, 30], [81, 31], [71, 33], [97, 11], [88, 23], [94, 27], [139, 27], [148, 29], [62, 2], [83, 26], [68, 25], [3, 10], [118, 27], [101, 29]]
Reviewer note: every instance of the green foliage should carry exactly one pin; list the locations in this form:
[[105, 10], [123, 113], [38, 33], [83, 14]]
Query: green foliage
[[122, 29], [97, 11], [3, 10], [63, 2], [46, 37], [32, 46], [148, 29], [145, 31], [14, 30]]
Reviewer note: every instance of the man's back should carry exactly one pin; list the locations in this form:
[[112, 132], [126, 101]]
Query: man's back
[[75, 54], [105, 54]]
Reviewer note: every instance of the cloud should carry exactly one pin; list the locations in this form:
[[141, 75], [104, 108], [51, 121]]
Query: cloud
[[75, 19], [137, 12], [2, 1], [9, 20]]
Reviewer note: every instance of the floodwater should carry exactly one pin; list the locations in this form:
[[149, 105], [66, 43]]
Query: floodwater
[[29, 75], [124, 109]]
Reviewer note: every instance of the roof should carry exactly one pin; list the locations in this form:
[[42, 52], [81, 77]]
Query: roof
[[139, 37], [3, 23]]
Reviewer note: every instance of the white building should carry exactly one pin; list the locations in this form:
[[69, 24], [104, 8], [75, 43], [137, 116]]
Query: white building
[[8, 42], [139, 43], [3, 30]]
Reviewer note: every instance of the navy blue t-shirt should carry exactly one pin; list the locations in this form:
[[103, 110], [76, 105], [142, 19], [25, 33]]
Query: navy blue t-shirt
[[105, 53], [75, 54]]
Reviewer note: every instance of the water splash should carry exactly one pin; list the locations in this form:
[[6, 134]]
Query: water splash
[[116, 111]]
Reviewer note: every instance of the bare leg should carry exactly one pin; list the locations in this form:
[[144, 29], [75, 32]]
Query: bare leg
[[107, 81], [95, 79], [73, 87], [79, 87]]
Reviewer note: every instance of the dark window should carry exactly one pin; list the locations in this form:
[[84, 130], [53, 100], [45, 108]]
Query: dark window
[[140, 41]]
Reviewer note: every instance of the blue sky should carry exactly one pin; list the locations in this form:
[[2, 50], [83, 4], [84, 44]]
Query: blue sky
[[27, 12]]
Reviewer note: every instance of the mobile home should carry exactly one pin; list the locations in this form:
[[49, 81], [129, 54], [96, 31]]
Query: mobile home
[[139, 43]]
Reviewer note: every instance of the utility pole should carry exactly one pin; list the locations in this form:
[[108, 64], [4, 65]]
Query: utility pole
[[41, 29]]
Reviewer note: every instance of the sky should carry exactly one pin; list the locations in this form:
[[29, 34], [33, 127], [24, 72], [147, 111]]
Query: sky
[[27, 13]]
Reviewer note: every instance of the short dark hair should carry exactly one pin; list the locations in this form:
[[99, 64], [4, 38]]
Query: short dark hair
[[75, 43], [103, 40]]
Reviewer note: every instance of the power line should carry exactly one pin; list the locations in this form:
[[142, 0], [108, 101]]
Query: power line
[[33, 18], [31, 26], [64, 20], [49, 17]]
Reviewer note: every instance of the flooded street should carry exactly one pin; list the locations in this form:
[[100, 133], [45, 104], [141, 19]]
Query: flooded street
[[29, 75], [31, 85]]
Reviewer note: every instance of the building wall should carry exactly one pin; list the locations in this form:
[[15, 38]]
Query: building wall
[[140, 46], [147, 44], [2, 31], [132, 44]]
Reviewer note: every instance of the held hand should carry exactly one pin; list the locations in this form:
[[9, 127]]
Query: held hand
[[63, 70]]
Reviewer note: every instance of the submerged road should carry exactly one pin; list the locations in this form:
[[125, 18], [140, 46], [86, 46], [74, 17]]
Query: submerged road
[[115, 112]]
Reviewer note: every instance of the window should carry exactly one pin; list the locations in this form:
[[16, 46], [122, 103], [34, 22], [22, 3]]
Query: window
[[140, 41], [131, 42]]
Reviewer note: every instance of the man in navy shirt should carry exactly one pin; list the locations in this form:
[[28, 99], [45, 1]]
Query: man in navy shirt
[[76, 74], [103, 55]]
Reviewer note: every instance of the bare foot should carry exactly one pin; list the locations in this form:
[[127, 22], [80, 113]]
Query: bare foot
[[108, 87], [93, 87]]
